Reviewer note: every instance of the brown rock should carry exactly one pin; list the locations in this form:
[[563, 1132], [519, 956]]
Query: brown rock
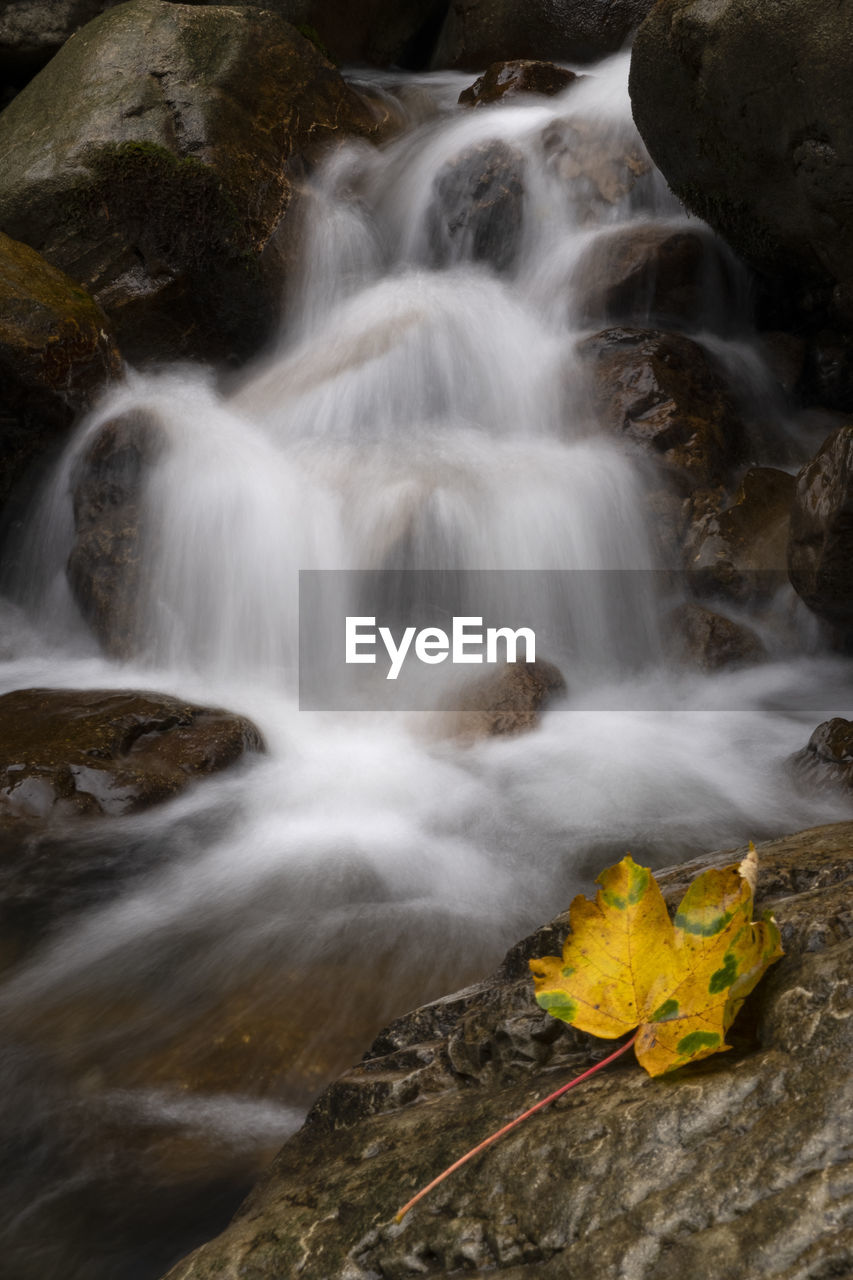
[[711, 641], [509, 80], [827, 760], [820, 546], [508, 702], [69, 753], [600, 162], [742, 551], [665, 395]]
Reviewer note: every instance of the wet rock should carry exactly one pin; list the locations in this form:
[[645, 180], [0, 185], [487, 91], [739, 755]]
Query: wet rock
[[654, 274], [70, 753], [56, 353], [508, 80], [741, 552], [479, 32], [820, 546], [726, 1165], [104, 564], [599, 162], [666, 396], [828, 375], [827, 759], [477, 205], [710, 641], [155, 155], [785, 355], [762, 155], [507, 702]]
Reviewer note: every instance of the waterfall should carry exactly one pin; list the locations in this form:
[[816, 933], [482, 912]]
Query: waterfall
[[423, 409]]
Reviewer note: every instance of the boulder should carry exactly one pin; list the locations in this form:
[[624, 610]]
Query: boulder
[[748, 111], [104, 564], [826, 761], [732, 1167], [56, 353], [741, 552], [667, 396], [509, 701], [478, 32], [506, 81], [711, 641], [156, 154], [477, 205], [71, 753], [599, 162], [820, 545], [653, 274]]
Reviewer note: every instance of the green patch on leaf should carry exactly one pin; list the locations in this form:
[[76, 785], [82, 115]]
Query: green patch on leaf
[[669, 1009], [701, 926], [696, 1041], [556, 1003], [725, 976]]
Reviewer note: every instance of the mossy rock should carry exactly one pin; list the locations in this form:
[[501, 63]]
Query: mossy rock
[[156, 154]]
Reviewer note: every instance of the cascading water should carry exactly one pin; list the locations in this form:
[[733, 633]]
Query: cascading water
[[413, 416]]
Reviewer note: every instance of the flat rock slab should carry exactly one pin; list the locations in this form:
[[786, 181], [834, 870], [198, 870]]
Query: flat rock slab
[[71, 753], [733, 1167]]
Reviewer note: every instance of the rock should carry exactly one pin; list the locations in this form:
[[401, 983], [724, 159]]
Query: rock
[[653, 274], [761, 154], [477, 206], [509, 701], [827, 760], [820, 546], [731, 1167], [104, 564], [598, 161], [828, 376], [508, 80], [667, 396], [479, 32], [56, 353], [32, 31], [154, 157], [741, 552], [785, 355], [711, 641], [70, 753], [381, 32]]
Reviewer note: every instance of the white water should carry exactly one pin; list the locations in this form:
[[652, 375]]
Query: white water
[[411, 417]]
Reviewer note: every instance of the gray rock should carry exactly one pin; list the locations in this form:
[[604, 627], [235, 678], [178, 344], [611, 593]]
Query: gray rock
[[505, 81], [820, 545], [826, 762], [477, 206], [156, 154], [711, 641], [733, 1167]]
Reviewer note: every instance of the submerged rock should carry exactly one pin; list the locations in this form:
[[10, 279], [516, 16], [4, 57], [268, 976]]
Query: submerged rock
[[668, 397], [599, 161], [477, 206], [711, 641], [478, 32], [731, 1167], [56, 353], [154, 157], [820, 547], [70, 753], [506, 703], [508, 80]]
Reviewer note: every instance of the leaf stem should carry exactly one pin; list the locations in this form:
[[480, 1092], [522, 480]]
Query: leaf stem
[[487, 1142]]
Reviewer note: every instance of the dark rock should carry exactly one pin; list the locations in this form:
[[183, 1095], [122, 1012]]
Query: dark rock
[[785, 356], [479, 32], [104, 564], [32, 31], [761, 152], [509, 701], [719, 1171], [155, 155], [476, 210], [653, 274], [68, 753], [56, 353], [599, 161], [827, 760], [820, 547], [508, 80], [741, 552], [828, 375], [711, 641], [668, 397]]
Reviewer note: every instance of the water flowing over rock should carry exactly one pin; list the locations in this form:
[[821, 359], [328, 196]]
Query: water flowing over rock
[[504, 81], [827, 759], [760, 151], [477, 32], [508, 702], [155, 155], [741, 552], [477, 206], [56, 353], [711, 641], [69, 753], [820, 547], [734, 1167]]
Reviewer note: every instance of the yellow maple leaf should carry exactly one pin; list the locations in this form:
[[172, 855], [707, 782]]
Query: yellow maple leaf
[[626, 964]]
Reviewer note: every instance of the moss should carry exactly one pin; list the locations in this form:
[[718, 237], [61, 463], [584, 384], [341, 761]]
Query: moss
[[312, 34]]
